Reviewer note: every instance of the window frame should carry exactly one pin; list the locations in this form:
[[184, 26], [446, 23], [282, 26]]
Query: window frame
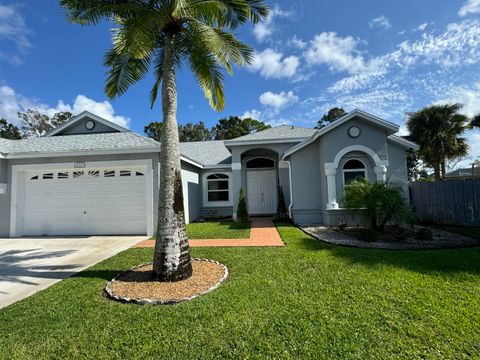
[[206, 191], [364, 169]]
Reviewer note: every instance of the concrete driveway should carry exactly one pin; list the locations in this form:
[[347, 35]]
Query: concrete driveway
[[28, 265]]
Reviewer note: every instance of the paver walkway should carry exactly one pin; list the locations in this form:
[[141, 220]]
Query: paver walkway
[[262, 233]]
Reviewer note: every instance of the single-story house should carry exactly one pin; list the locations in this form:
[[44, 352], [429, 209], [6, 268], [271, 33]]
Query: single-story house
[[90, 176]]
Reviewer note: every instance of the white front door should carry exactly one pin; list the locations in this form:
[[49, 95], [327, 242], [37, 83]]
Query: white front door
[[261, 192], [85, 202]]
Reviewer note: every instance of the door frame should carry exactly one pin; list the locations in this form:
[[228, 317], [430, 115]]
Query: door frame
[[275, 193], [18, 184]]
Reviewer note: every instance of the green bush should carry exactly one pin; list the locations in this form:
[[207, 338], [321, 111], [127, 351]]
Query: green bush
[[379, 202], [242, 212]]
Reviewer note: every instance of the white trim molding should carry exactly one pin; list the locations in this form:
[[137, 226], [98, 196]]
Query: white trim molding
[[331, 171], [205, 201], [236, 166]]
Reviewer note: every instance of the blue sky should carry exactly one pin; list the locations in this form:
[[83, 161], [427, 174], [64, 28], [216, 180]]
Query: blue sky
[[384, 57]]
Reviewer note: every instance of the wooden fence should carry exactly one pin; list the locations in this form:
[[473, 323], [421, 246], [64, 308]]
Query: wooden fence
[[453, 202]]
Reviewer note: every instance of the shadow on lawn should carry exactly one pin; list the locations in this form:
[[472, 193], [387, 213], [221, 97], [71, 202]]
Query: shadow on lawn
[[452, 261]]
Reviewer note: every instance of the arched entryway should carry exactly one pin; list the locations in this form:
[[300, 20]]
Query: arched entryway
[[261, 181]]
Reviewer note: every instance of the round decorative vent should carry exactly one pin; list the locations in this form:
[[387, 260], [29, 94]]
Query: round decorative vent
[[354, 131], [90, 124]]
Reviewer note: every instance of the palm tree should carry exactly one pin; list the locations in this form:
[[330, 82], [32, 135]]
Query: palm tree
[[160, 35], [438, 129]]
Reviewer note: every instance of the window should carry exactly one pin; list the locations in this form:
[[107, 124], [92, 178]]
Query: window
[[125, 173], [47, 176], [352, 170], [78, 174], [62, 175], [138, 173], [260, 163], [109, 173], [218, 188]]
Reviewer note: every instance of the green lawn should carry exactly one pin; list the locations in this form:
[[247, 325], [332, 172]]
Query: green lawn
[[219, 230], [306, 300]]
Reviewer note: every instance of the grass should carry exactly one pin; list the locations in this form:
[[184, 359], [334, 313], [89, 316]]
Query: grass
[[219, 230], [306, 300]]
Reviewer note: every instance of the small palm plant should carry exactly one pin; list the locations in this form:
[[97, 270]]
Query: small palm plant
[[160, 36], [379, 202]]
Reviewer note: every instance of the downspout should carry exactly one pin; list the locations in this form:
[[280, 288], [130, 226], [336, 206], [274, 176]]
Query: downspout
[[291, 189]]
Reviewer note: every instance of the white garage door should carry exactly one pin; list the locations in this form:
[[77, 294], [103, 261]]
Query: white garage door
[[85, 202]]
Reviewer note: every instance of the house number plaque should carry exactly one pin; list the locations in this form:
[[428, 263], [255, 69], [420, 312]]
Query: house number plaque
[[79, 165]]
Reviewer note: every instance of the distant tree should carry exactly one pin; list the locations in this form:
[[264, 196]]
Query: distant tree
[[438, 130], [187, 132], [8, 130], [332, 115], [194, 132], [154, 130], [34, 124], [234, 127]]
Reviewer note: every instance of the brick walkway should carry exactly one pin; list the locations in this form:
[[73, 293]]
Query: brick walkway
[[262, 233]]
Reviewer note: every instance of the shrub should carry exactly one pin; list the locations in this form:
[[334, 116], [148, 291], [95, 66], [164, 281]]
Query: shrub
[[379, 202], [242, 212], [424, 234]]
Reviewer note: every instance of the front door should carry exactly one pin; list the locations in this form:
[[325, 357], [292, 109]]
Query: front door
[[261, 192]]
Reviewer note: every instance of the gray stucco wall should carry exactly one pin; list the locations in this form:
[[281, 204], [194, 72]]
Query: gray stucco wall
[[309, 181], [5, 199], [79, 128], [397, 173], [192, 194]]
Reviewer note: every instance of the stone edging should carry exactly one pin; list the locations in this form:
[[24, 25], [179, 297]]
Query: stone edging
[[108, 292]]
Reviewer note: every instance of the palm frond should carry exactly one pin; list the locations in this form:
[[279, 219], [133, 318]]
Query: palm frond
[[124, 71]]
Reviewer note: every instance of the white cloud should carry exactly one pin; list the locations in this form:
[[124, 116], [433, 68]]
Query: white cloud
[[421, 27], [271, 64], [253, 114], [12, 102], [470, 7], [278, 101], [266, 28], [468, 96], [297, 42], [380, 22], [13, 27], [339, 54]]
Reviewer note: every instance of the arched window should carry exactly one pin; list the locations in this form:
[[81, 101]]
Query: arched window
[[260, 163], [218, 188], [352, 170]]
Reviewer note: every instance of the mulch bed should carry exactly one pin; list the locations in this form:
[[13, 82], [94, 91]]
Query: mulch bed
[[139, 286], [390, 241]]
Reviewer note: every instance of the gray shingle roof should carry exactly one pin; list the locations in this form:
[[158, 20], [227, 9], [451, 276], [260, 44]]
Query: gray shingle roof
[[206, 152], [278, 132], [89, 142]]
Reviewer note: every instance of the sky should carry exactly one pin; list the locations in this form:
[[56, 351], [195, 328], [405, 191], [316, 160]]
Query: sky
[[384, 57]]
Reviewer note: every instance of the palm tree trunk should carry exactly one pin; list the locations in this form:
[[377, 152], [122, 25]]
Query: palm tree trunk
[[444, 170], [171, 260]]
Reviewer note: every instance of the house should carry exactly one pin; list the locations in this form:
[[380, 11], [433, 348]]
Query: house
[[90, 176], [465, 173]]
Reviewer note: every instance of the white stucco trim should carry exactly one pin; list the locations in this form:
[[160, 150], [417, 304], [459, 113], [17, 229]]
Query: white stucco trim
[[331, 171], [237, 166], [18, 169], [361, 148], [403, 142], [86, 114], [205, 201]]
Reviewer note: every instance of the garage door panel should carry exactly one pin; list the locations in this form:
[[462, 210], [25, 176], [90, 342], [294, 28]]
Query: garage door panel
[[84, 204]]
